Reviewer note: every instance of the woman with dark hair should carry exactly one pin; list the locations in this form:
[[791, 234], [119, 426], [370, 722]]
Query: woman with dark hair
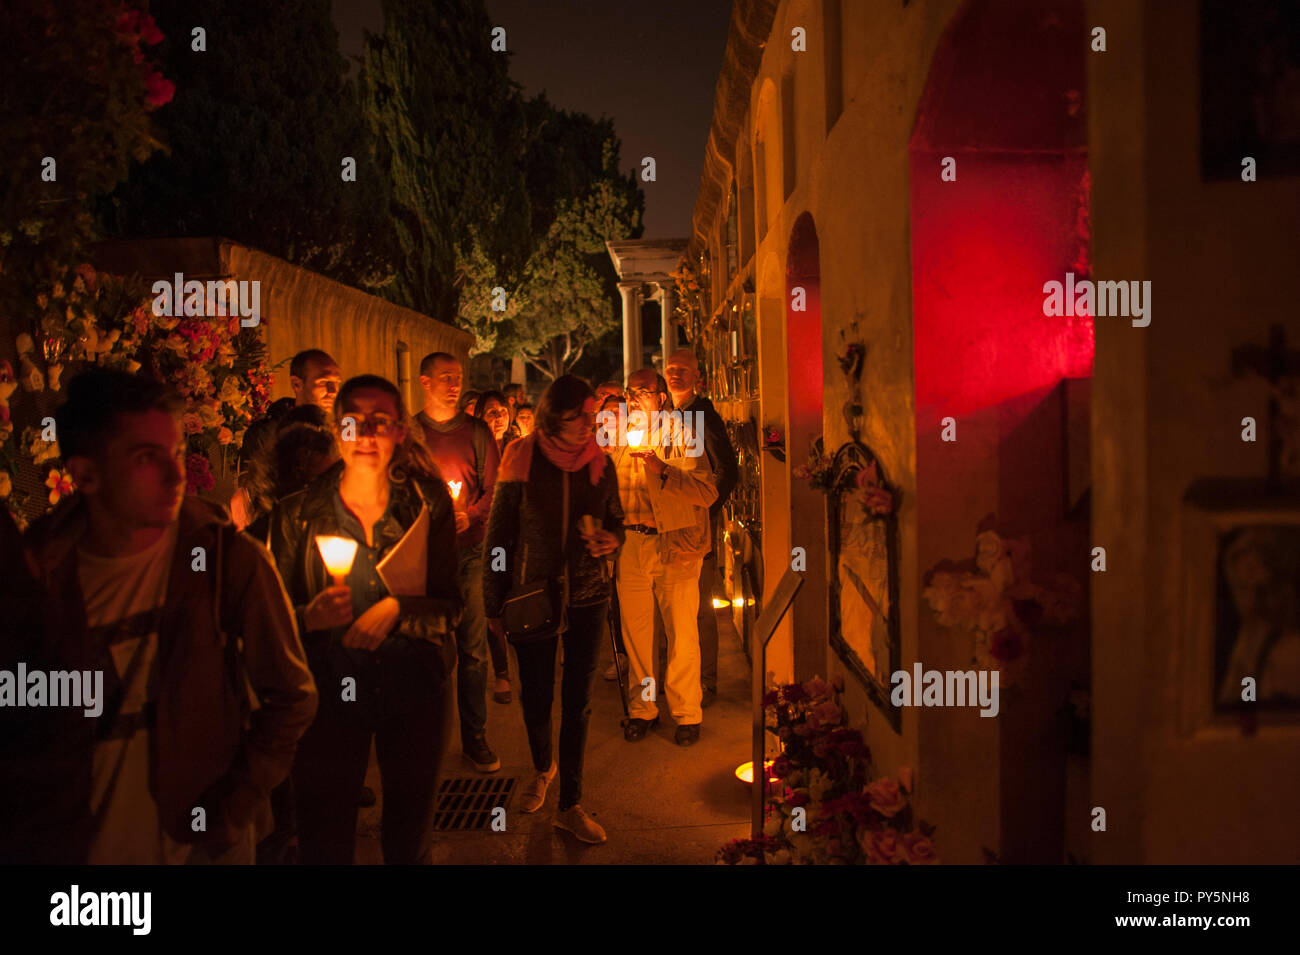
[[303, 449], [253, 495], [556, 506], [469, 403], [379, 639], [494, 409]]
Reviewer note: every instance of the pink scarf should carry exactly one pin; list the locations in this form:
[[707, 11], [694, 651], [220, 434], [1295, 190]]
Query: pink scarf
[[519, 457]]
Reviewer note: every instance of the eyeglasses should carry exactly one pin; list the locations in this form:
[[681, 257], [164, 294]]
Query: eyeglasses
[[642, 392], [379, 426]]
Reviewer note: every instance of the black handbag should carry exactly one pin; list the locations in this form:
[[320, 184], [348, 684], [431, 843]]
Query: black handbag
[[538, 611]]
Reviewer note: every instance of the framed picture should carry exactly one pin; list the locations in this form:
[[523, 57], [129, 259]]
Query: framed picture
[[864, 622], [1240, 633]]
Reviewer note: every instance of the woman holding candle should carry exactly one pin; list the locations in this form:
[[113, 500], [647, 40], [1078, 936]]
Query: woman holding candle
[[556, 513], [377, 637]]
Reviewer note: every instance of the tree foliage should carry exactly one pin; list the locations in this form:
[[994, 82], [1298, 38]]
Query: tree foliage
[[256, 138], [448, 122], [77, 84]]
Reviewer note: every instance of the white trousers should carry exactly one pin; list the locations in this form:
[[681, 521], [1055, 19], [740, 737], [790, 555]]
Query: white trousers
[[643, 581]]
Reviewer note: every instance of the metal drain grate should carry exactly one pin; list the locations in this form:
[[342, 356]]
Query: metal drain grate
[[465, 803]]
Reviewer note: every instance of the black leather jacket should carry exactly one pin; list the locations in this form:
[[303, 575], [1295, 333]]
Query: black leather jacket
[[525, 523], [300, 517]]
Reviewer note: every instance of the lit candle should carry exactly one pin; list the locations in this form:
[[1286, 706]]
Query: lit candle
[[338, 554], [634, 438], [454, 487], [745, 771]]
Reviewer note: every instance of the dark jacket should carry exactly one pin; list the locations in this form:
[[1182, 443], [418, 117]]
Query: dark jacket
[[717, 445], [525, 523], [419, 643], [300, 517], [210, 747]]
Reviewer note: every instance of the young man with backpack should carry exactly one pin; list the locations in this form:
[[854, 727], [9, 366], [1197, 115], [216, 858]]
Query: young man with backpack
[[466, 454], [206, 685]]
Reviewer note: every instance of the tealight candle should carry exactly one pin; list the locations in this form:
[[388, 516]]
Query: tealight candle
[[338, 554]]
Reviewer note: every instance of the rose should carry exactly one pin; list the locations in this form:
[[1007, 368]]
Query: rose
[[918, 850], [6, 484], [192, 423], [224, 436], [825, 714], [210, 414], [886, 797], [880, 846], [818, 689], [198, 474]]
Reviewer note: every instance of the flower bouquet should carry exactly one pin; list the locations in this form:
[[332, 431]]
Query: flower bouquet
[[824, 807], [1000, 603]]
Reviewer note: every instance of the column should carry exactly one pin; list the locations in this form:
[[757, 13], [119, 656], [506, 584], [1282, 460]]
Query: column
[[668, 333], [631, 326]]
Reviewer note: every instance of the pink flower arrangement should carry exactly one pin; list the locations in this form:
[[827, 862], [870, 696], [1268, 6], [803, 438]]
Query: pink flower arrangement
[[136, 28], [824, 771]]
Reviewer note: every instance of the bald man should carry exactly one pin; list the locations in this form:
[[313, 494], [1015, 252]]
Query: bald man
[[682, 371], [666, 493]]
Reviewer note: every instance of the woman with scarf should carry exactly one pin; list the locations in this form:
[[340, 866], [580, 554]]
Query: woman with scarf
[[556, 514]]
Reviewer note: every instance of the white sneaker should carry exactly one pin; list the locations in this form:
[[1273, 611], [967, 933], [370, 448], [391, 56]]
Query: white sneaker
[[611, 673], [581, 825]]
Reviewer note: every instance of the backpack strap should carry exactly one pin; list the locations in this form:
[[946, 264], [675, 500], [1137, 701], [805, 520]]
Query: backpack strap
[[234, 642]]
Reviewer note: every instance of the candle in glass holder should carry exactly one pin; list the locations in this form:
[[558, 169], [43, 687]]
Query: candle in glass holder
[[338, 554]]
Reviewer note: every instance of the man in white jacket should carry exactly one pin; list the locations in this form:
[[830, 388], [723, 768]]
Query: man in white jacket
[[666, 490]]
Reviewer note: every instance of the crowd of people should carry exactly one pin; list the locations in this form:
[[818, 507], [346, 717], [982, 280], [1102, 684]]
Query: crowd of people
[[248, 668]]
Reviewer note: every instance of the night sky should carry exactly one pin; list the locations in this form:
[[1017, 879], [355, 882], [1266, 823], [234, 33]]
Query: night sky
[[651, 67]]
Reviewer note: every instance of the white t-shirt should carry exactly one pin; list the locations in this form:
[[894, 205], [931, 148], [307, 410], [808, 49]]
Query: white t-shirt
[[123, 597]]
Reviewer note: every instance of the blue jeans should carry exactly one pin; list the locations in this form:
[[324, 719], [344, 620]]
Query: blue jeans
[[471, 651]]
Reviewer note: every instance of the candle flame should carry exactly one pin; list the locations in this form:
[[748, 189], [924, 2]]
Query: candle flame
[[337, 552], [454, 487]]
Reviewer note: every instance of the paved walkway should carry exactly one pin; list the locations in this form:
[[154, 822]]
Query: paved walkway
[[659, 802]]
